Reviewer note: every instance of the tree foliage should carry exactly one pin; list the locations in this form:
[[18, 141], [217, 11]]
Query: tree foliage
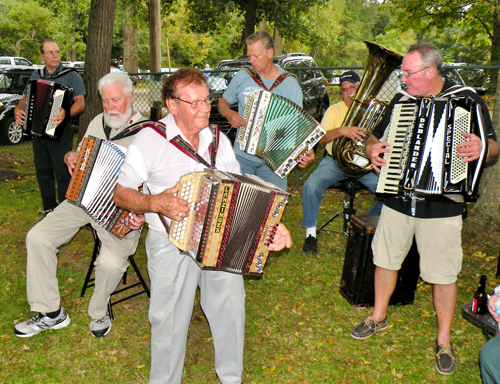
[[475, 21], [23, 25]]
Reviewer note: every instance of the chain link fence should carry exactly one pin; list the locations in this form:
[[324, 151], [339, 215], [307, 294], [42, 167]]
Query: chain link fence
[[147, 95]]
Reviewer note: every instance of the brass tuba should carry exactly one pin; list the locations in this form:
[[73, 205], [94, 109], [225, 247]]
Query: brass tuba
[[365, 111]]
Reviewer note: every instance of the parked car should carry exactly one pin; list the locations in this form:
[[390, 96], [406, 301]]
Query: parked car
[[311, 80], [12, 83], [11, 61]]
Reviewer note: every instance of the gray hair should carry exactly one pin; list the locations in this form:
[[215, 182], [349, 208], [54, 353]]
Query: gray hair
[[429, 55], [116, 78], [263, 37]]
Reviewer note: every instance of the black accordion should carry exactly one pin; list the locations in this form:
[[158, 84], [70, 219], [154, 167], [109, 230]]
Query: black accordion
[[424, 134], [43, 102], [232, 220], [278, 131], [93, 183]]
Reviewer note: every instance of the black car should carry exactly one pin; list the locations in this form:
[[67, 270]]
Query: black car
[[12, 83], [311, 80]]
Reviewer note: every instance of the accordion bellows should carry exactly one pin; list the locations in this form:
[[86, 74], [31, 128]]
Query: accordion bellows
[[232, 220], [93, 183], [278, 131], [43, 101]]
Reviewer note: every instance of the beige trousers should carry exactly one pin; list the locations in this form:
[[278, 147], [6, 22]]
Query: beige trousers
[[58, 228]]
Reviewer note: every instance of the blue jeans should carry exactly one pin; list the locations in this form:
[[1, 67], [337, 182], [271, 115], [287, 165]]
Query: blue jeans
[[252, 165], [489, 361], [327, 174]]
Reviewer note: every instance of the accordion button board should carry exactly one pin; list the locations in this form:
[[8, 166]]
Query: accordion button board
[[231, 222]]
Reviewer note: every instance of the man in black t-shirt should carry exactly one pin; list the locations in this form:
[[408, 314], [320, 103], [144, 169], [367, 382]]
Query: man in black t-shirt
[[436, 225]]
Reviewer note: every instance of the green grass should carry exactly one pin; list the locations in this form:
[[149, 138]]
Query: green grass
[[297, 328]]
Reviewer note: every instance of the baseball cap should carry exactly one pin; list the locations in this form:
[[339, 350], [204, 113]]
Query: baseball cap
[[350, 76]]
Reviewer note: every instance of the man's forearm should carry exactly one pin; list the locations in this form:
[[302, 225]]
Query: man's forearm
[[78, 106], [223, 107]]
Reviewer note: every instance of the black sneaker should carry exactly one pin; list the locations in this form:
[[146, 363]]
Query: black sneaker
[[100, 327], [310, 245], [368, 327], [445, 359], [41, 322]]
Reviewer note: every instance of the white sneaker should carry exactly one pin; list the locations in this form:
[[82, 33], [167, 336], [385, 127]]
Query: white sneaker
[[41, 322]]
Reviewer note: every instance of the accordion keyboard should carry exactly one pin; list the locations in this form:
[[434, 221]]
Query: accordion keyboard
[[56, 106], [400, 127]]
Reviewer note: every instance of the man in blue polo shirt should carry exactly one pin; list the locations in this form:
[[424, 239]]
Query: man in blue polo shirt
[[49, 155]]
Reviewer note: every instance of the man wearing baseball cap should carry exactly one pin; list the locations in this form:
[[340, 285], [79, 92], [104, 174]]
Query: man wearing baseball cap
[[328, 171]]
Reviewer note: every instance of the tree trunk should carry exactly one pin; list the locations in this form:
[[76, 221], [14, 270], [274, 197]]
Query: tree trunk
[[130, 54], [97, 56], [278, 42], [485, 214], [495, 45], [71, 54], [155, 59], [250, 17]]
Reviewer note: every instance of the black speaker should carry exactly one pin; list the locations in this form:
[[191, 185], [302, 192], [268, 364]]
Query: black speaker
[[357, 284]]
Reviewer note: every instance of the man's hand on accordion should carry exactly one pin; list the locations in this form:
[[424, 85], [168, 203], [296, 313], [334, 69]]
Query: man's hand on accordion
[[70, 159], [59, 118], [137, 220], [168, 204], [306, 158], [281, 239], [469, 150], [374, 149]]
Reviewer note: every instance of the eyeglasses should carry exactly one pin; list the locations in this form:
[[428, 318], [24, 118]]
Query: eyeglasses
[[50, 53], [410, 74], [198, 103], [345, 89]]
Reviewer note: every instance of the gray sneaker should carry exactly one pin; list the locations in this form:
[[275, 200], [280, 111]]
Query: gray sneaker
[[41, 322], [367, 328], [101, 327]]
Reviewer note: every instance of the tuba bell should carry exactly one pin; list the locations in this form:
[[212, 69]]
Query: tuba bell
[[365, 111]]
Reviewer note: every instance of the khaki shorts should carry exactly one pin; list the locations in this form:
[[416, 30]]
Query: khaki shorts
[[439, 244]]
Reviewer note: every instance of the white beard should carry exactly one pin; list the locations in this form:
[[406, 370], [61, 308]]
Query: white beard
[[117, 120]]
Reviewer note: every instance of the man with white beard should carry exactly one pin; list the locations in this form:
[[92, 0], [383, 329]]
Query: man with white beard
[[59, 227]]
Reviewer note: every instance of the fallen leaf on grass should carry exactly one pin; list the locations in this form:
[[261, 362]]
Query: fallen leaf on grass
[[112, 353], [141, 366], [398, 375], [4, 337], [479, 254], [25, 348], [426, 314]]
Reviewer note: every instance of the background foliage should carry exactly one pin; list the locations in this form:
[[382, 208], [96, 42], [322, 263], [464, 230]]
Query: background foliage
[[202, 31]]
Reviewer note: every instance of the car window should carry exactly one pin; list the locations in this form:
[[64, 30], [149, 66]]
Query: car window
[[20, 61], [4, 61], [5, 82]]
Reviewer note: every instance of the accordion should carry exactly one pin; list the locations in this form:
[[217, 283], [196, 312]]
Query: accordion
[[278, 131], [424, 134], [93, 183], [43, 102], [232, 220]]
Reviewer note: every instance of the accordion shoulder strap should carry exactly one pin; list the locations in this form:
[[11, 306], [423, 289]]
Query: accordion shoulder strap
[[255, 76], [41, 72], [129, 131]]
